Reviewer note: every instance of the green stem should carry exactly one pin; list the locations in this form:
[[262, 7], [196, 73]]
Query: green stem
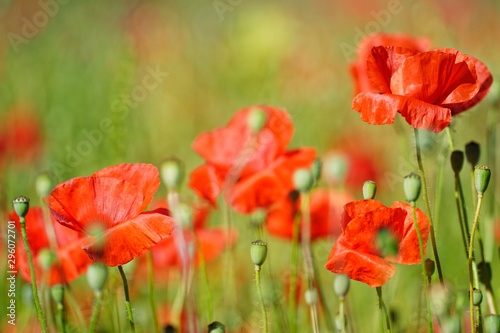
[[459, 213], [60, 318], [127, 298], [342, 316], [323, 298], [472, 277], [95, 312], [439, 186], [292, 311], [22, 221], [383, 312], [422, 255], [427, 207], [152, 297], [75, 308], [261, 299]]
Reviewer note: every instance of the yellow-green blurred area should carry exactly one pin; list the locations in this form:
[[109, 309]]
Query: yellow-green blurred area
[[137, 81]]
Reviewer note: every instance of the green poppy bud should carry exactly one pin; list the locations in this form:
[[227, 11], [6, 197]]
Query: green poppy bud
[[258, 252], [172, 172], [57, 292], [386, 243], [311, 296], [430, 267], [472, 152], [412, 186], [482, 176], [316, 170], [216, 327], [46, 258], [369, 189], [477, 297], [492, 323], [185, 214], [97, 275], [256, 119], [21, 205], [336, 168], [457, 161], [302, 180], [341, 285], [43, 184]]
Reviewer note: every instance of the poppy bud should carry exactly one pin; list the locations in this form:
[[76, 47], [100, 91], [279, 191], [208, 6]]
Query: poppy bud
[[477, 297], [430, 267], [258, 217], [43, 184], [386, 243], [457, 161], [336, 168], [484, 272], [341, 285], [256, 119], [316, 169], [57, 292], [216, 327], [302, 180], [451, 324], [492, 323], [169, 329], [258, 252], [472, 152], [46, 258], [27, 294], [172, 172], [21, 205], [412, 185], [311, 296], [185, 214], [369, 189], [441, 298], [97, 275], [482, 176]]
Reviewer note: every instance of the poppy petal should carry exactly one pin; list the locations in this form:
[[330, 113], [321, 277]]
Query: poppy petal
[[356, 208], [207, 182], [426, 116], [378, 108], [130, 239]]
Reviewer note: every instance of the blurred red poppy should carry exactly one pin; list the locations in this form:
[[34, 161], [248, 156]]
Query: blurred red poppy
[[325, 211], [426, 88], [356, 253], [71, 261], [109, 206], [253, 168]]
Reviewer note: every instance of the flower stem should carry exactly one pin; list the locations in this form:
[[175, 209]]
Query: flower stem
[[342, 315], [60, 318], [465, 239], [152, 298], [427, 207], [261, 299], [292, 311], [472, 277], [22, 221], [422, 255], [127, 298], [383, 312], [95, 312]]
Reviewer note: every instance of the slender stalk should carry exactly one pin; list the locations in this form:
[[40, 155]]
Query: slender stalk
[[323, 298], [127, 299], [427, 207], [95, 312], [471, 248], [75, 308], [383, 312], [459, 213], [152, 297], [422, 255], [60, 318], [261, 299], [342, 315], [439, 186], [292, 311], [22, 221]]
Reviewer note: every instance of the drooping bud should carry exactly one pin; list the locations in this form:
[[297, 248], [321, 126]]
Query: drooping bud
[[258, 252], [97, 274], [43, 184], [57, 292], [412, 185], [257, 119], [21, 205], [316, 170], [311, 297], [369, 189], [472, 152], [302, 180], [216, 327], [46, 258], [457, 161], [492, 323], [482, 176], [484, 272], [341, 285], [386, 243], [477, 297], [172, 172], [430, 267]]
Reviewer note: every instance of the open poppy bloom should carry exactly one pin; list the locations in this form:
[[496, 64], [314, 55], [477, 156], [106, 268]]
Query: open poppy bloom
[[254, 168], [109, 207], [325, 211], [70, 260], [356, 253], [426, 88]]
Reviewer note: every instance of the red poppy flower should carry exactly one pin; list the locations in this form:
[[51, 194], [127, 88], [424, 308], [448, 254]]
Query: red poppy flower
[[254, 169], [71, 261], [426, 88], [359, 68], [113, 201], [355, 252], [325, 210]]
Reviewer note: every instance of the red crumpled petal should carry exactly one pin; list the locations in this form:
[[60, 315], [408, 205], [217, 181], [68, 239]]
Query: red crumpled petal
[[143, 176], [130, 239], [80, 203], [426, 116], [378, 108], [207, 182], [356, 208]]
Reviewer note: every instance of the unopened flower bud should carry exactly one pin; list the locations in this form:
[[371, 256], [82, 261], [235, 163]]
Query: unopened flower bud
[[484, 272], [492, 323], [477, 297], [369, 189], [97, 275], [316, 169], [457, 161], [46, 258], [21, 205], [43, 184], [172, 172], [430, 267], [216, 327], [257, 119], [57, 292], [336, 167], [472, 152], [258, 252], [185, 214], [341, 285], [482, 176], [302, 180], [311, 296], [412, 185], [386, 243]]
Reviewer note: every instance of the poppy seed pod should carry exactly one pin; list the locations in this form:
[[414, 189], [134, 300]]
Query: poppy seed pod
[[341, 285], [430, 267], [482, 176], [258, 252], [57, 292], [46, 258], [477, 297], [412, 185], [472, 152], [97, 275], [302, 180], [311, 296], [21, 205], [256, 119], [492, 323], [457, 161], [172, 172], [216, 327], [369, 189], [316, 169], [43, 184]]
